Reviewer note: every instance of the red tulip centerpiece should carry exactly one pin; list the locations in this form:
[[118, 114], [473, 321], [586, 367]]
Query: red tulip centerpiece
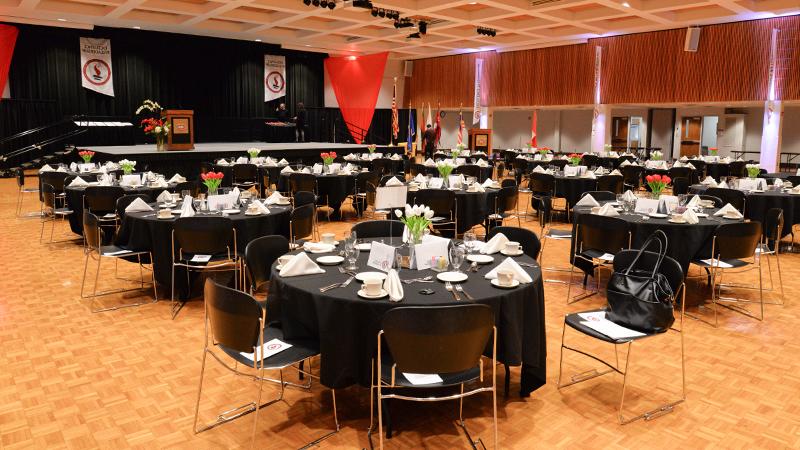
[[86, 155], [574, 159], [328, 157], [212, 180], [657, 183]]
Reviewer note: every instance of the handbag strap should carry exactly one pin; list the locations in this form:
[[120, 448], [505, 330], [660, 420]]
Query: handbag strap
[[657, 236]]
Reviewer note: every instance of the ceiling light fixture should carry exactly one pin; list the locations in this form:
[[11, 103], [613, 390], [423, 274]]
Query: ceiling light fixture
[[61, 20], [491, 32], [362, 4], [137, 28], [626, 4], [258, 40]]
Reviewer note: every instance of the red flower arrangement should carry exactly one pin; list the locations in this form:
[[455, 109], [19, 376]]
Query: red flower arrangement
[[574, 159], [327, 157], [156, 127], [657, 183], [212, 180], [86, 155]]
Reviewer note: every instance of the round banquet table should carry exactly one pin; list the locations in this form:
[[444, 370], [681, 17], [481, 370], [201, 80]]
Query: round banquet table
[[572, 188], [74, 197], [334, 187], [685, 241], [472, 207], [346, 326], [144, 231], [758, 203], [271, 172]]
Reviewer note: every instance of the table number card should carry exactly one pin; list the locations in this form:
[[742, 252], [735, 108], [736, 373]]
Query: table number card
[[429, 251], [381, 256], [646, 205], [215, 201], [435, 183]]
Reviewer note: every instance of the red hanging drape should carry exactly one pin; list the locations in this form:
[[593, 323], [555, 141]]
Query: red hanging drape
[[356, 81], [8, 37]]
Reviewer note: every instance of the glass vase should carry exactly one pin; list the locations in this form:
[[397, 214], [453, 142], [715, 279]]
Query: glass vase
[[161, 143]]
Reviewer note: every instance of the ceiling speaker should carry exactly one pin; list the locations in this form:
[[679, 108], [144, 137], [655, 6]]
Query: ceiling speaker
[[692, 39]]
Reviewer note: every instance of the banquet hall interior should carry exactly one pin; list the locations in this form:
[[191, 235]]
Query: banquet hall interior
[[399, 224]]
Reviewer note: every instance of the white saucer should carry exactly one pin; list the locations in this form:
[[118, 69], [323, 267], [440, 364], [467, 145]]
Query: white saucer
[[327, 249], [330, 260], [248, 213], [480, 259], [657, 215], [496, 283], [231, 211], [756, 191], [165, 218], [283, 203], [365, 275], [334, 243], [676, 221], [507, 253], [364, 246], [176, 211], [453, 277], [731, 218], [701, 214], [363, 294], [168, 205]]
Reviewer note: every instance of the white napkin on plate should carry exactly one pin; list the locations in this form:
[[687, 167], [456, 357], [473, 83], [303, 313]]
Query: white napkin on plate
[[478, 187], [241, 160], [46, 168], [270, 161], [728, 209], [495, 244], [589, 174], [164, 197], [483, 163], [300, 264], [394, 182], [283, 162], [694, 201], [607, 210], [306, 170], [318, 247], [78, 182], [160, 183], [690, 165], [186, 209], [538, 169], [508, 263], [61, 169], [625, 163], [273, 199], [419, 178], [138, 205], [778, 182], [287, 169], [723, 185], [629, 196], [393, 286], [222, 162], [684, 159], [488, 183], [177, 178], [709, 181], [429, 163], [690, 217], [396, 156], [260, 206], [599, 171], [587, 200]]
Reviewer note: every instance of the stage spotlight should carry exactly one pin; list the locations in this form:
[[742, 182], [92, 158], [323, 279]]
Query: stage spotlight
[[374, 12], [423, 27], [323, 3], [307, 2], [381, 13], [315, 2], [331, 5]]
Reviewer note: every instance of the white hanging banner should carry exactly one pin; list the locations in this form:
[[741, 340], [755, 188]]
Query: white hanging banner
[[96, 73], [476, 109], [274, 77]]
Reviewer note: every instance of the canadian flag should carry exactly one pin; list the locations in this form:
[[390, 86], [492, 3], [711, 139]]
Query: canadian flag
[[533, 130]]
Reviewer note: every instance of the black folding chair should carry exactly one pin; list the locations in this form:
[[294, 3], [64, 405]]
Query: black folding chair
[[680, 185], [445, 207], [610, 183], [301, 224], [259, 255], [383, 166], [632, 176], [372, 229], [771, 246], [596, 237], [51, 212], [733, 196], [505, 207], [21, 191], [245, 176]]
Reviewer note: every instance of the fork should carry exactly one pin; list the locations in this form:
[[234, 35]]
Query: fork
[[428, 279], [461, 290], [449, 287], [345, 283]]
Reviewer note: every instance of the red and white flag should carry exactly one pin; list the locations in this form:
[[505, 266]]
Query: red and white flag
[[460, 138], [438, 124], [395, 118], [96, 73], [533, 130]]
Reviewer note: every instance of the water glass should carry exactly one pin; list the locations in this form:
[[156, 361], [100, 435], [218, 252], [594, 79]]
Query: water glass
[[469, 241], [352, 255], [456, 257]]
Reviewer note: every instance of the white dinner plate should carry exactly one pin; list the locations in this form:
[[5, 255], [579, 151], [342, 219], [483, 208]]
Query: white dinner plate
[[657, 215], [363, 294], [176, 212], [231, 211], [248, 213], [364, 246], [165, 218], [507, 253], [330, 260], [676, 221], [453, 277], [283, 202], [480, 259], [496, 283], [366, 275], [701, 214], [731, 218]]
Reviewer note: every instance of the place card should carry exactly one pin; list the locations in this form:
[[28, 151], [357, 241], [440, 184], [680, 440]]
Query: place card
[[270, 348], [419, 379], [598, 322], [201, 258], [646, 205], [435, 183], [381, 256], [131, 180], [215, 201], [430, 250], [388, 197]]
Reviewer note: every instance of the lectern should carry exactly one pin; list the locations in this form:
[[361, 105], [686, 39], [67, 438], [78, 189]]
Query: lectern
[[480, 140], [181, 129]]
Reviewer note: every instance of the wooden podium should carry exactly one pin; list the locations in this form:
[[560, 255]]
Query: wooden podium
[[181, 129], [480, 140]]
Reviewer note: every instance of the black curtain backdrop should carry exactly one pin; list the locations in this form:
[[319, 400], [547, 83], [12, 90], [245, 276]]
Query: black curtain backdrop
[[220, 79]]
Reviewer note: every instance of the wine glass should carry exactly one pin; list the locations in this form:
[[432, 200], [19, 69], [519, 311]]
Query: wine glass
[[456, 257], [469, 241], [352, 255]]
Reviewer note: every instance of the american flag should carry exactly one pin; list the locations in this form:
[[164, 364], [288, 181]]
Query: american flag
[[460, 139], [395, 119]]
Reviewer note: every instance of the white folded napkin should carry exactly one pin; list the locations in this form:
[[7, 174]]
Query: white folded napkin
[[778, 182], [629, 196], [589, 174], [728, 209], [564, 157], [796, 189], [241, 160], [46, 168], [538, 169], [726, 160], [599, 171], [306, 170], [723, 185], [690, 217], [508, 263], [177, 178], [105, 181], [429, 163], [537, 157], [709, 181], [587, 200], [393, 286], [478, 187], [283, 162], [739, 159], [164, 197], [186, 209], [61, 169], [607, 210], [488, 182], [420, 178], [613, 154], [495, 244], [483, 163], [625, 163], [318, 247], [694, 201], [160, 182], [270, 161], [616, 172], [684, 159], [394, 182], [798, 172], [260, 206], [396, 157], [78, 182], [300, 264], [273, 199], [73, 167], [287, 169], [222, 162], [138, 205]]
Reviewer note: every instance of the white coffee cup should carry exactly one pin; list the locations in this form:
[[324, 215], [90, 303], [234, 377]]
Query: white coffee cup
[[328, 238], [678, 218], [283, 260], [175, 197], [505, 277], [373, 286], [164, 213], [513, 247]]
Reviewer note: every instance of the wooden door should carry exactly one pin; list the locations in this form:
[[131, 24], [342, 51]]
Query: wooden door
[[690, 135], [619, 132]]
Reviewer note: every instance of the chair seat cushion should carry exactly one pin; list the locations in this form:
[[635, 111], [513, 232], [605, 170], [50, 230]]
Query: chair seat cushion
[[448, 379], [736, 263], [299, 351], [574, 321]]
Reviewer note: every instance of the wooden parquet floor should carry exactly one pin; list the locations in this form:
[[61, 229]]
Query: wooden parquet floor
[[128, 378]]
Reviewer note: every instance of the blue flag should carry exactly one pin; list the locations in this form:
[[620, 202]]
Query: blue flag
[[411, 131]]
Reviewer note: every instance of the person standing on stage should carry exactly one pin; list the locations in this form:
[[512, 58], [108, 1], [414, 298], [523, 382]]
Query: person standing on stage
[[281, 113], [300, 122], [429, 141]]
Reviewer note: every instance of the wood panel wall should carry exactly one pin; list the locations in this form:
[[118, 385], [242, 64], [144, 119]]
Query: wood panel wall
[[731, 64]]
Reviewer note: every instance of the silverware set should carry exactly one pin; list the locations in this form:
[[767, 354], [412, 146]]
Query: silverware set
[[449, 286], [428, 279], [345, 283]]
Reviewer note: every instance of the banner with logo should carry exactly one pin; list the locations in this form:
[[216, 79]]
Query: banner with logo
[[96, 73], [476, 110], [274, 77]]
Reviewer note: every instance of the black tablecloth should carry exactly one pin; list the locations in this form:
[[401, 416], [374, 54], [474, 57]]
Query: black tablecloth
[[347, 325], [144, 231], [572, 188], [74, 196], [333, 188], [758, 203], [717, 169], [472, 207]]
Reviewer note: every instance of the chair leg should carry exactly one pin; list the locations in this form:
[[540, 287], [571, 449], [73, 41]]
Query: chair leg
[[199, 390], [507, 380], [624, 384], [258, 408], [780, 277], [380, 414]]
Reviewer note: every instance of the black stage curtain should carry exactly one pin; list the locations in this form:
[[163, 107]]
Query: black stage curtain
[[220, 79]]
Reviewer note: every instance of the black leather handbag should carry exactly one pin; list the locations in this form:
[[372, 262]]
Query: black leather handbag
[[639, 299]]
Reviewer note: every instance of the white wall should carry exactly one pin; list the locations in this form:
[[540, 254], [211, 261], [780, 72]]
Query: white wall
[[394, 68], [709, 137], [753, 129], [661, 127], [791, 130], [511, 129], [576, 131]]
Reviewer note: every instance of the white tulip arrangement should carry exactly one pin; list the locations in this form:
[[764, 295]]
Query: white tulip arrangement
[[753, 170], [127, 166], [253, 152], [417, 219]]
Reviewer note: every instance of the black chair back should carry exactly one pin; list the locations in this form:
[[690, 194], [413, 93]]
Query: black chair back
[[610, 183], [48, 197], [125, 201], [234, 317], [773, 224], [733, 196], [590, 160], [102, 199], [508, 182], [559, 163], [601, 196], [372, 229], [680, 185], [302, 198], [383, 166], [670, 268], [737, 169], [194, 188], [54, 179], [468, 170], [527, 238], [302, 222], [92, 233], [718, 203], [542, 183], [507, 199], [204, 235], [602, 233], [366, 177], [245, 173], [699, 168], [441, 201], [681, 172], [794, 179], [302, 182], [632, 175], [20, 175], [736, 240], [259, 255], [453, 337]]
